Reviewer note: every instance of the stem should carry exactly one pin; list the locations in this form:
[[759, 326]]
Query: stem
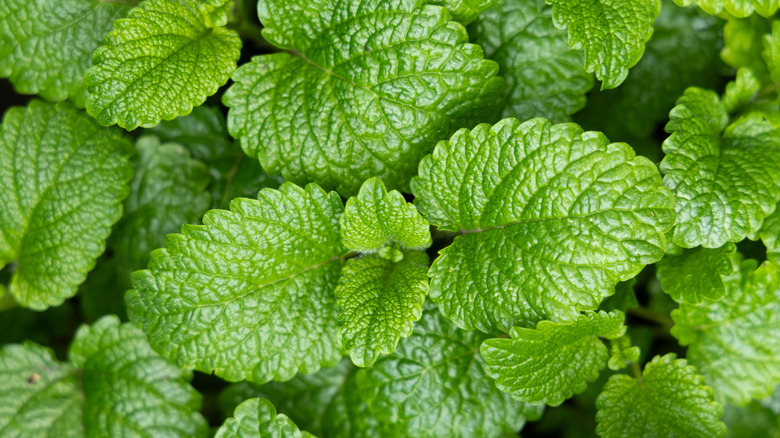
[[650, 316], [637, 372]]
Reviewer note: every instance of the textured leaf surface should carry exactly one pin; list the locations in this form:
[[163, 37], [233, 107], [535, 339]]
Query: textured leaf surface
[[734, 341], [726, 179], [375, 218], [545, 78], [551, 219], [63, 179], [670, 400], [114, 385], [554, 361], [465, 11], [612, 33], [692, 275], [378, 301], [435, 384], [744, 44], [366, 90], [249, 294], [737, 8], [46, 48], [165, 58], [257, 418]]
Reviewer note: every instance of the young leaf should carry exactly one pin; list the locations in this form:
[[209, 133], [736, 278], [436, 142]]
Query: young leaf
[[114, 385], [612, 33], [692, 275], [726, 178], [164, 58], [257, 418], [366, 89], [64, 178], [45, 47], [737, 8], [249, 294], [550, 220], [375, 218], [740, 91], [554, 361], [433, 373], [545, 77], [378, 301], [668, 400], [466, 11], [734, 341], [622, 353]]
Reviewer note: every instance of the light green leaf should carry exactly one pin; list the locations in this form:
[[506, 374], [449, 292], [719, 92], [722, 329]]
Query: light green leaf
[[249, 294], [737, 8], [550, 219], [726, 178], [63, 179], [435, 384], [46, 47], [114, 385], [466, 11], [622, 353], [166, 192], [257, 418], [770, 231], [772, 51], [165, 58], [545, 77], [612, 33], [375, 218], [740, 91], [554, 361], [734, 341], [378, 301], [669, 400], [366, 90], [743, 38], [693, 275]]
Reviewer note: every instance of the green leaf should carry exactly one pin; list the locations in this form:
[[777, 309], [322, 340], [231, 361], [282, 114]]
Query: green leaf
[[668, 400], [612, 33], [164, 58], [466, 11], [366, 90], [554, 361], [249, 294], [375, 218], [624, 297], [770, 231], [693, 275], [257, 418], [737, 8], [741, 91], [772, 51], [622, 353], [114, 385], [751, 421], [434, 373], [550, 219], [743, 38], [46, 48], [726, 178], [545, 77], [166, 192], [63, 179], [734, 341], [378, 301]]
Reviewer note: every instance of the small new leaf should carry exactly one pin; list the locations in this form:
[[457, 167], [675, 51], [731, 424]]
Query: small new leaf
[[692, 275], [257, 418], [554, 361], [622, 353]]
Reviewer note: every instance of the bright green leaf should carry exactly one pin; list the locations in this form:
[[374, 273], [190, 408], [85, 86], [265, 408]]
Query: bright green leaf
[[366, 90], [64, 178], [770, 231], [772, 51], [249, 294], [692, 275], [741, 91], [737, 8], [550, 219], [257, 418], [165, 58], [554, 361], [622, 353], [669, 400], [466, 11]]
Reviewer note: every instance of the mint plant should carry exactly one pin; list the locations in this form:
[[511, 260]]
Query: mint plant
[[412, 218]]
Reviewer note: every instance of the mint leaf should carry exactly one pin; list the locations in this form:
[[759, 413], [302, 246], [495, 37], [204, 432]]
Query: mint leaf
[[622, 353], [466, 11], [249, 294], [737, 8], [693, 275], [554, 361], [733, 342], [257, 418], [63, 179], [378, 301], [164, 58], [770, 231], [114, 385], [46, 48], [741, 91], [415, 393], [772, 51], [726, 178], [668, 400], [545, 77], [612, 33], [361, 109], [550, 219]]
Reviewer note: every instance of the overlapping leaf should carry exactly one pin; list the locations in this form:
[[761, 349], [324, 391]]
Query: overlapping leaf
[[692, 275], [737, 8], [257, 418], [465, 11]]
